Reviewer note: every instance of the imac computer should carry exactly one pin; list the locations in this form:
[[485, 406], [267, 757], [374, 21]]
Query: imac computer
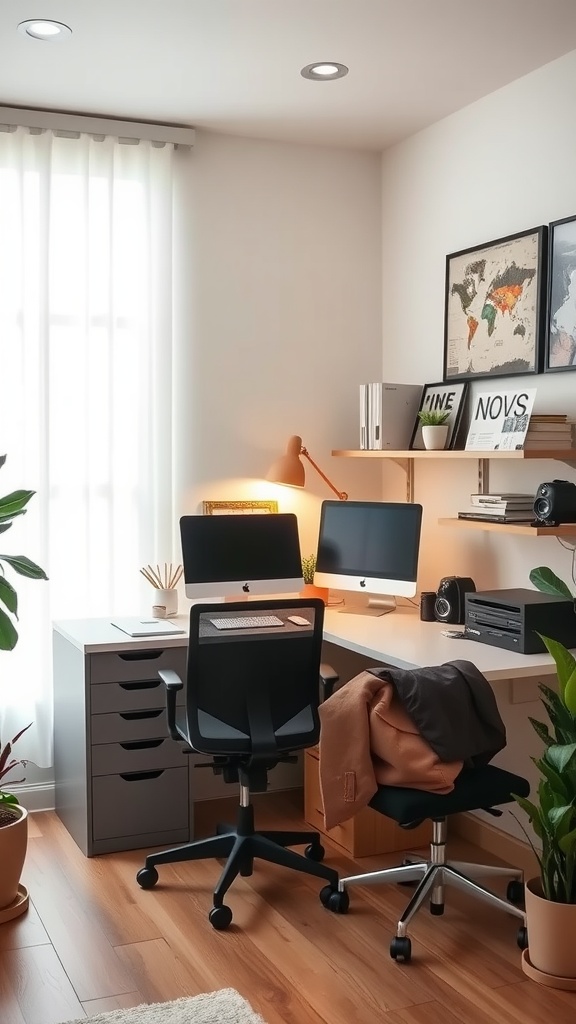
[[240, 555], [369, 547]]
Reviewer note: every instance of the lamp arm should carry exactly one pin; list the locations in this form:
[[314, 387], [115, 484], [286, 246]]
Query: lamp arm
[[342, 495]]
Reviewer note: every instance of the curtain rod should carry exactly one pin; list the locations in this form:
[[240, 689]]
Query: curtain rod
[[54, 121]]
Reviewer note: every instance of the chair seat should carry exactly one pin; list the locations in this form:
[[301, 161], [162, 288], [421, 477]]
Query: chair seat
[[474, 789]]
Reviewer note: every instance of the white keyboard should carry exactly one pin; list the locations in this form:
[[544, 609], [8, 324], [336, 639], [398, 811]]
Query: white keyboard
[[247, 622]]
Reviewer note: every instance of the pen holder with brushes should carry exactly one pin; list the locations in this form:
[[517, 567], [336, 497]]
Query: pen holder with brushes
[[165, 603], [165, 594]]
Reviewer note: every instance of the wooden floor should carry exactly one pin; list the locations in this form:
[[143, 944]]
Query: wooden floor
[[93, 941]]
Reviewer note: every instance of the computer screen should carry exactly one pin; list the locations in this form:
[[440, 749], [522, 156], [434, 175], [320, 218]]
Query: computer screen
[[237, 555], [370, 547]]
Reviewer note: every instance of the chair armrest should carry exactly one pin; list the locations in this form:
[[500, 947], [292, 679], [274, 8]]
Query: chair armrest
[[173, 683], [328, 679]]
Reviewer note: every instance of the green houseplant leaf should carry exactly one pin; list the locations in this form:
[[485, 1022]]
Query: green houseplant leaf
[[552, 814], [11, 506]]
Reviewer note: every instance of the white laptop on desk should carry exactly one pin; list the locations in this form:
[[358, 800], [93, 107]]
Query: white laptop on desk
[[147, 627]]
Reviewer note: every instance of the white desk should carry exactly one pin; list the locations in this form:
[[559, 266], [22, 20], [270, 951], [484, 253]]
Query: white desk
[[113, 760], [399, 638], [402, 640]]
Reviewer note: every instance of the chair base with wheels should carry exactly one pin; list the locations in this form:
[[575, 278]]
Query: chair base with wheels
[[480, 788], [241, 845]]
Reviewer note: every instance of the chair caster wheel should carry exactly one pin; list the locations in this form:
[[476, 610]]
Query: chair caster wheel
[[522, 938], [220, 917], [401, 949], [314, 852], [436, 909], [515, 891], [334, 900], [147, 878]]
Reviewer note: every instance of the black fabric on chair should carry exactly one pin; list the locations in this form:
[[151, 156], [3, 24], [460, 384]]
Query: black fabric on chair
[[479, 788], [252, 698]]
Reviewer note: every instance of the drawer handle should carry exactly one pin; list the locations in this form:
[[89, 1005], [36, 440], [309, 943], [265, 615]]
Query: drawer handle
[[140, 776], [141, 744], [141, 684], [132, 716], [140, 655]]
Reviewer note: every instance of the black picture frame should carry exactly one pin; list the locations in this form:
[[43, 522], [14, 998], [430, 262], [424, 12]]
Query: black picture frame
[[495, 307], [450, 395], [560, 353]]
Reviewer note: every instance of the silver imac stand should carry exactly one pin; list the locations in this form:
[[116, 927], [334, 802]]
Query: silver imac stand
[[377, 604]]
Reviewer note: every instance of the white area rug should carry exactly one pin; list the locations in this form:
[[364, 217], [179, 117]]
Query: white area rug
[[224, 1007]]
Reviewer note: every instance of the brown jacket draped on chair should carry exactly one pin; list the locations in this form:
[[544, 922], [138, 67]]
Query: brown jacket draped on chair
[[396, 727]]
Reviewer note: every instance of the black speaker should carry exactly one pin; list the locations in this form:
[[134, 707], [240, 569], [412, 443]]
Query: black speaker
[[450, 598], [555, 502]]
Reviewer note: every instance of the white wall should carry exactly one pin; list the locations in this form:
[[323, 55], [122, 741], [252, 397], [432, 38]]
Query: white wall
[[501, 165], [280, 316], [504, 164]]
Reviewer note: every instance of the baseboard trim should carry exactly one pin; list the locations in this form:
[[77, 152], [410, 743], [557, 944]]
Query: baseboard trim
[[493, 840], [38, 797]]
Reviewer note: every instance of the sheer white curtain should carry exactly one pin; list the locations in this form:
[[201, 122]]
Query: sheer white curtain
[[85, 389]]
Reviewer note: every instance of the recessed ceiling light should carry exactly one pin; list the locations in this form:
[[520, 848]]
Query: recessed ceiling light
[[324, 71], [54, 31]]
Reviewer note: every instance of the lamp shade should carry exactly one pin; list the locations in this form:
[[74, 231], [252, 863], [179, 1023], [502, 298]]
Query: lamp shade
[[288, 469]]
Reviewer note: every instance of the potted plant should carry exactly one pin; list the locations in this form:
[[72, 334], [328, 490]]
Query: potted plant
[[434, 428], [13, 817], [13, 838], [310, 589], [551, 898]]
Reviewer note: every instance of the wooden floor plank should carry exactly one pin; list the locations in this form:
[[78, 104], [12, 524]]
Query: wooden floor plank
[[40, 987], [295, 962]]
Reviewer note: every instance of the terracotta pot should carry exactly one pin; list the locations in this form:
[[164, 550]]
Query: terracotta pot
[[13, 843], [309, 590], [551, 935]]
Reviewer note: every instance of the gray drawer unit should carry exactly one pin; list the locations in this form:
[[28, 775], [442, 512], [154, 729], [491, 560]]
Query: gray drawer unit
[[133, 695], [137, 756], [121, 782], [140, 803]]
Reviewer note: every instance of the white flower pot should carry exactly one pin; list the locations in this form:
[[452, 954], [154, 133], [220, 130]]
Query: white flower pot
[[434, 437]]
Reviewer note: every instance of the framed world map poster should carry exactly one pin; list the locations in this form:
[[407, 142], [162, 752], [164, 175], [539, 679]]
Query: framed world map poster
[[561, 328], [495, 308]]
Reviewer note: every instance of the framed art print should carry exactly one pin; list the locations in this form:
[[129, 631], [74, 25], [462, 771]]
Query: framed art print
[[441, 397], [561, 327], [494, 308], [239, 508]]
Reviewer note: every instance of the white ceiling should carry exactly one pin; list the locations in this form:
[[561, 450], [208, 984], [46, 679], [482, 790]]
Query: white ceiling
[[234, 65]]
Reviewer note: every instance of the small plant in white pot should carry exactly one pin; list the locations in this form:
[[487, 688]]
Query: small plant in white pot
[[13, 817], [434, 428]]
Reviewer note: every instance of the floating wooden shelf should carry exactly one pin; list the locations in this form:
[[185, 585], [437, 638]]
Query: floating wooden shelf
[[406, 461], [564, 455], [523, 529]]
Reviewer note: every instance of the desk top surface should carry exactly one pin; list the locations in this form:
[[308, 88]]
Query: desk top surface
[[400, 639]]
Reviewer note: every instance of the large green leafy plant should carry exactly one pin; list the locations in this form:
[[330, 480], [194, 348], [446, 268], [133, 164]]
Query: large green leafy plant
[[553, 816], [11, 506]]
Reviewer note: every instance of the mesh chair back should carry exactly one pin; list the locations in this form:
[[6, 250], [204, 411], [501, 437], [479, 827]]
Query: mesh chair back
[[256, 689]]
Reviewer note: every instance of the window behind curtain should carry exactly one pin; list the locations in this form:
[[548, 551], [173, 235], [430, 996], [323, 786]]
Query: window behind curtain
[[85, 389]]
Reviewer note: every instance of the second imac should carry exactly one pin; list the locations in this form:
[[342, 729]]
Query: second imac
[[369, 547]]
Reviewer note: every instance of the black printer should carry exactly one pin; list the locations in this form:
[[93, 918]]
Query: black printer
[[513, 618]]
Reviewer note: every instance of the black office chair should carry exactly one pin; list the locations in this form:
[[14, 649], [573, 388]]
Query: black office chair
[[482, 788], [252, 697]]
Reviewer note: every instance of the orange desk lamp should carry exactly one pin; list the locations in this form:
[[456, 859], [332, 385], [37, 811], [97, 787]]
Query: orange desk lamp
[[289, 469]]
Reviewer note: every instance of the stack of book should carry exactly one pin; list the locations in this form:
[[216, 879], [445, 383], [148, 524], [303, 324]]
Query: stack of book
[[549, 432], [500, 508]]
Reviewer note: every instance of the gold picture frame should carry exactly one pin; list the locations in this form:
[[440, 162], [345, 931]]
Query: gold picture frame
[[239, 508]]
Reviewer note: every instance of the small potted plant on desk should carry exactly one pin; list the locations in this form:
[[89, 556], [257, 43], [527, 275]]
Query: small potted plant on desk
[[434, 428], [309, 589], [13, 817], [551, 899]]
